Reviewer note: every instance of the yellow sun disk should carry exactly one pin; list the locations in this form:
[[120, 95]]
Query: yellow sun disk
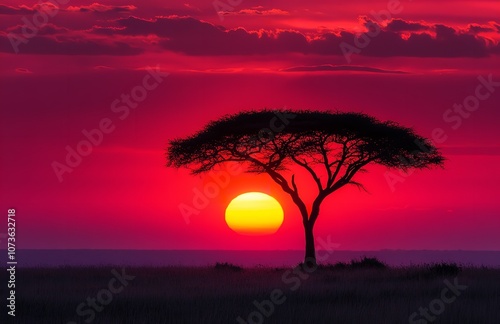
[[254, 213]]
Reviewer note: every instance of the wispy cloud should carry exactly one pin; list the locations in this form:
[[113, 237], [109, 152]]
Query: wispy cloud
[[334, 68]]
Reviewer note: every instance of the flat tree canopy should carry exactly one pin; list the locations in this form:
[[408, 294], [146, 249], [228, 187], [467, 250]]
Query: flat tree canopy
[[244, 137]]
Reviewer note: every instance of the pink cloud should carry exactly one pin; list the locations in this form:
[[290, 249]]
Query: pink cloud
[[69, 45], [48, 29], [194, 37], [257, 11], [400, 25], [101, 8], [26, 10], [23, 70]]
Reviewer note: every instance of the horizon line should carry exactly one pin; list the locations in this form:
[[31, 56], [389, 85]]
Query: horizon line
[[244, 250]]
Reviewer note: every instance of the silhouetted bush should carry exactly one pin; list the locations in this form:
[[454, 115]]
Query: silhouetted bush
[[367, 263], [227, 266], [364, 263]]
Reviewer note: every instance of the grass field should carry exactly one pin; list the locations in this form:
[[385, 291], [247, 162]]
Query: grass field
[[222, 294]]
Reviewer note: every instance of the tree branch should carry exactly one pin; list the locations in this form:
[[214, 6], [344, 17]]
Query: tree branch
[[345, 150], [294, 185], [311, 172], [326, 162]]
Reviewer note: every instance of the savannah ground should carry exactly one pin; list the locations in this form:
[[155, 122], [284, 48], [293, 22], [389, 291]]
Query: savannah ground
[[340, 294]]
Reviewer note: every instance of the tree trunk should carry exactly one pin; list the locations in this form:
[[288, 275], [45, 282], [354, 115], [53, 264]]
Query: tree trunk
[[310, 257]]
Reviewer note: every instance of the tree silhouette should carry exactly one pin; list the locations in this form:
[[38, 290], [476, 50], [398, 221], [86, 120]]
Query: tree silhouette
[[330, 146]]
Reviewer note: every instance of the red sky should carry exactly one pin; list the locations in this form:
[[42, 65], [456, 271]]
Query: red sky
[[426, 57]]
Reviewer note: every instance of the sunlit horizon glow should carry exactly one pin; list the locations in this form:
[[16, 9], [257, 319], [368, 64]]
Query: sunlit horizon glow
[[254, 213]]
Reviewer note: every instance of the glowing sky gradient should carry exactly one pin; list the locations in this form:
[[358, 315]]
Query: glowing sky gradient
[[425, 59]]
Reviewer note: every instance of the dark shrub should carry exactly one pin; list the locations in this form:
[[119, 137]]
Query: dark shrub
[[227, 266], [367, 263]]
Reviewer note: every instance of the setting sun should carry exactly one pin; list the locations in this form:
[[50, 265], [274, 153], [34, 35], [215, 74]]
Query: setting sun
[[254, 213]]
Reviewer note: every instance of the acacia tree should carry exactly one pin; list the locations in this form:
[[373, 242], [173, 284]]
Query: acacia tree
[[330, 146]]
